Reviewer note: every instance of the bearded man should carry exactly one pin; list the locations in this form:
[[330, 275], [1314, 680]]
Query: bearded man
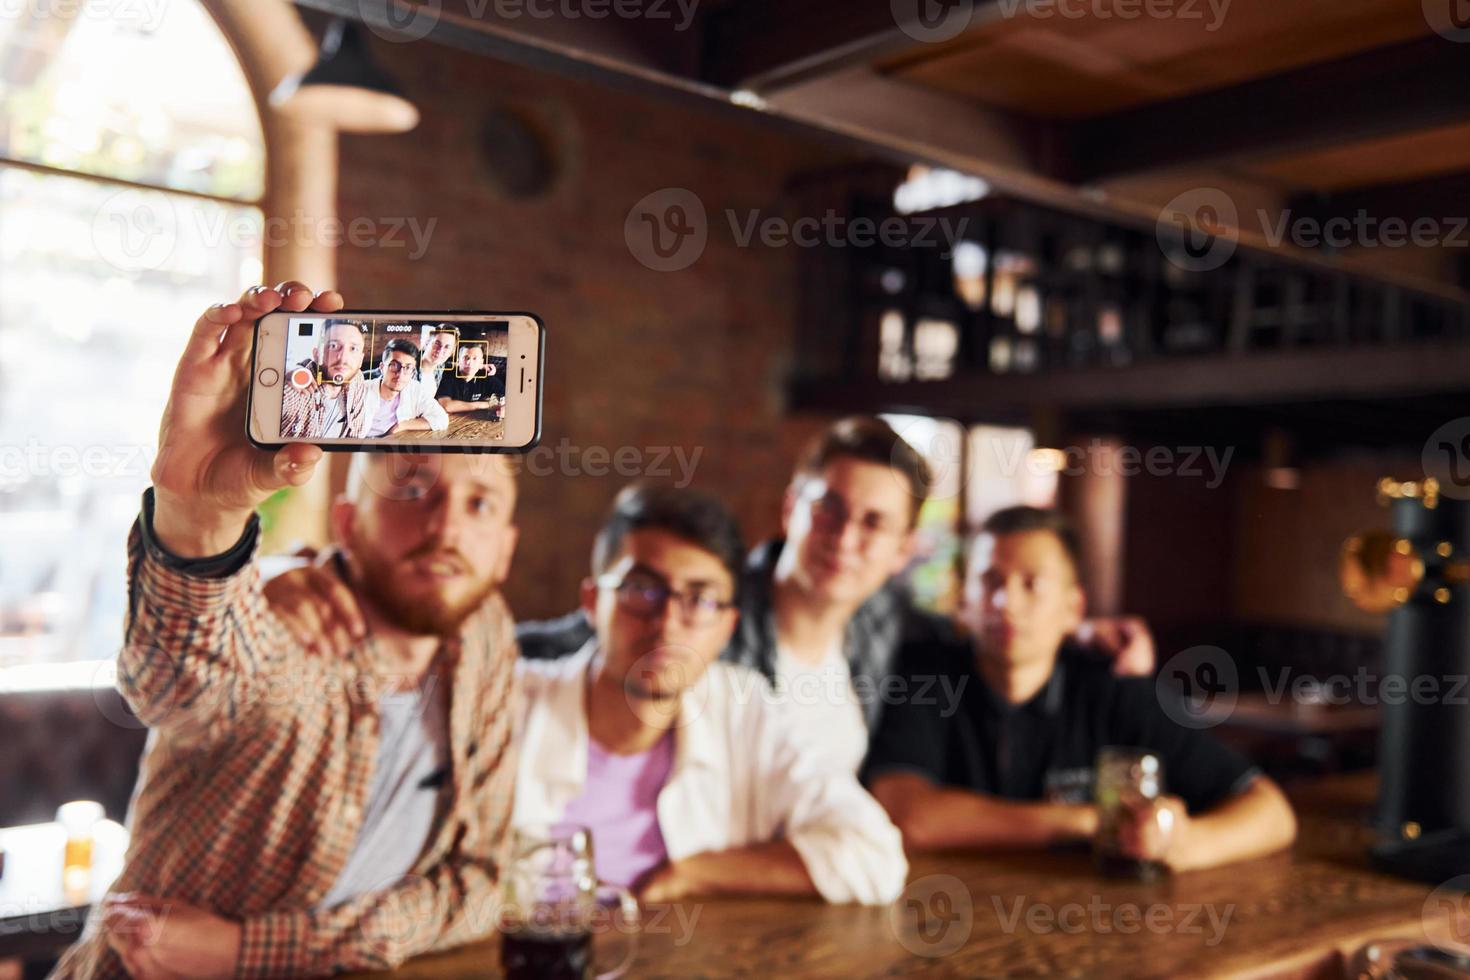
[[296, 814], [333, 404]]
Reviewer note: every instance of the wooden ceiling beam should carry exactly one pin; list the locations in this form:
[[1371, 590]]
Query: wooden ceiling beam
[[764, 45], [1398, 88]]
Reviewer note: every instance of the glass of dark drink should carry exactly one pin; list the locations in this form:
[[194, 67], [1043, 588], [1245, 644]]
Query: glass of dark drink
[[1126, 780], [552, 908]]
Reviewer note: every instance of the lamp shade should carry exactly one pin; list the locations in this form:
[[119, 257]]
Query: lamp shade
[[347, 87]]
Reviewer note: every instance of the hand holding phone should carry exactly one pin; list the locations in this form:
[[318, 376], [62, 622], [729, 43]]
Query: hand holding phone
[[208, 478]]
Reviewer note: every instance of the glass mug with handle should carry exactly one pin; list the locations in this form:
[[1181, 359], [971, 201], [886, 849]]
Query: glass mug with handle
[[552, 906], [1126, 779]]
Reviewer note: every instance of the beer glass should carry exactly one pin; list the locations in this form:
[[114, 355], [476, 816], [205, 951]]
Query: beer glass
[[1125, 778], [552, 906]]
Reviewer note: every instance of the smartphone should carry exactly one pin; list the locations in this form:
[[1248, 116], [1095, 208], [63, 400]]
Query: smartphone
[[382, 380]]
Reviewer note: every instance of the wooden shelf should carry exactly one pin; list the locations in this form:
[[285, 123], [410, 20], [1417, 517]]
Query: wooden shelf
[[1242, 379]]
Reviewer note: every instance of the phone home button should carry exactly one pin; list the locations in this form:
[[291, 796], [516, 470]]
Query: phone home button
[[269, 377]]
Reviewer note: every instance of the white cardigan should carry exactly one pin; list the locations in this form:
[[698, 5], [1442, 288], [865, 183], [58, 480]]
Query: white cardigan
[[739, 778]]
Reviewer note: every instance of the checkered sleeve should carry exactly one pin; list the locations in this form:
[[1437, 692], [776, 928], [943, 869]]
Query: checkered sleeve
[[193, 645], [453, 903]]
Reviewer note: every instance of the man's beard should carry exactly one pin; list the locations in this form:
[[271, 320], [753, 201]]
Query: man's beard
[[429, 615], [331, 377]]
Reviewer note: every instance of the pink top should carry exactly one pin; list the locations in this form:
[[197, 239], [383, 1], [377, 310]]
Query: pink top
[[619, 802]]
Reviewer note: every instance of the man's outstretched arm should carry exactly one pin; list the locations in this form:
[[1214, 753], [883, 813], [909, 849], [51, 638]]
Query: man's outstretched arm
[[196, 634]]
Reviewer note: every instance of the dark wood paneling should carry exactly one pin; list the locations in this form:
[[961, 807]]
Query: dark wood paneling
[[1402, 87]]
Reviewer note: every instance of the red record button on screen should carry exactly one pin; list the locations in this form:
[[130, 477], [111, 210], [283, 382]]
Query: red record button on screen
[[301, 378]]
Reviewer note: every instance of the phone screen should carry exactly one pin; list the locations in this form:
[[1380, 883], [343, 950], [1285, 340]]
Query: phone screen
[[395, 379]]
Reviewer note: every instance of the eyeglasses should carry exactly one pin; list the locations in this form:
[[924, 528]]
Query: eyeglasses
[[645, 599], [398, 367], [831, 515]]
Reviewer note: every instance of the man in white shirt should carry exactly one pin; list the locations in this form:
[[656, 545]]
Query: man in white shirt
[[822, 613], [692, 781], [400, 402]]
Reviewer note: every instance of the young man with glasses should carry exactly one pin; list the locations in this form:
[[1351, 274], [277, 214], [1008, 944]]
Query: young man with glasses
[[690, 785], [400, 402], [822, 614]]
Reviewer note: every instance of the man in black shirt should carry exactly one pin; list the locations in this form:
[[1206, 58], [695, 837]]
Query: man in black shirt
[[467, 389], [1006, 765]]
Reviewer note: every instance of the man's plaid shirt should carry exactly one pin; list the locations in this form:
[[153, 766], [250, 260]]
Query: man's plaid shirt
[[257, 770], [303, 412]]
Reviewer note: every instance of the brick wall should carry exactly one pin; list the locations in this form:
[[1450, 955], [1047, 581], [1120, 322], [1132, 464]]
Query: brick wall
[[693, 359]]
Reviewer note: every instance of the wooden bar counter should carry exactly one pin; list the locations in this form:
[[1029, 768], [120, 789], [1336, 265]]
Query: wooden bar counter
[[1047, 914]]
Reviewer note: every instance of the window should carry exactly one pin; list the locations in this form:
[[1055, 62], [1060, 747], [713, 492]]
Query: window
[[128, 203], [976, 473], [933, 575]]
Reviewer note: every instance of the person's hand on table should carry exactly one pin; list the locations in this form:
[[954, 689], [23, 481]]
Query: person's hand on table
[[1125, 640], [1155, 830], [162, 939], [318, 608], [662, 885], [208, 479]]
